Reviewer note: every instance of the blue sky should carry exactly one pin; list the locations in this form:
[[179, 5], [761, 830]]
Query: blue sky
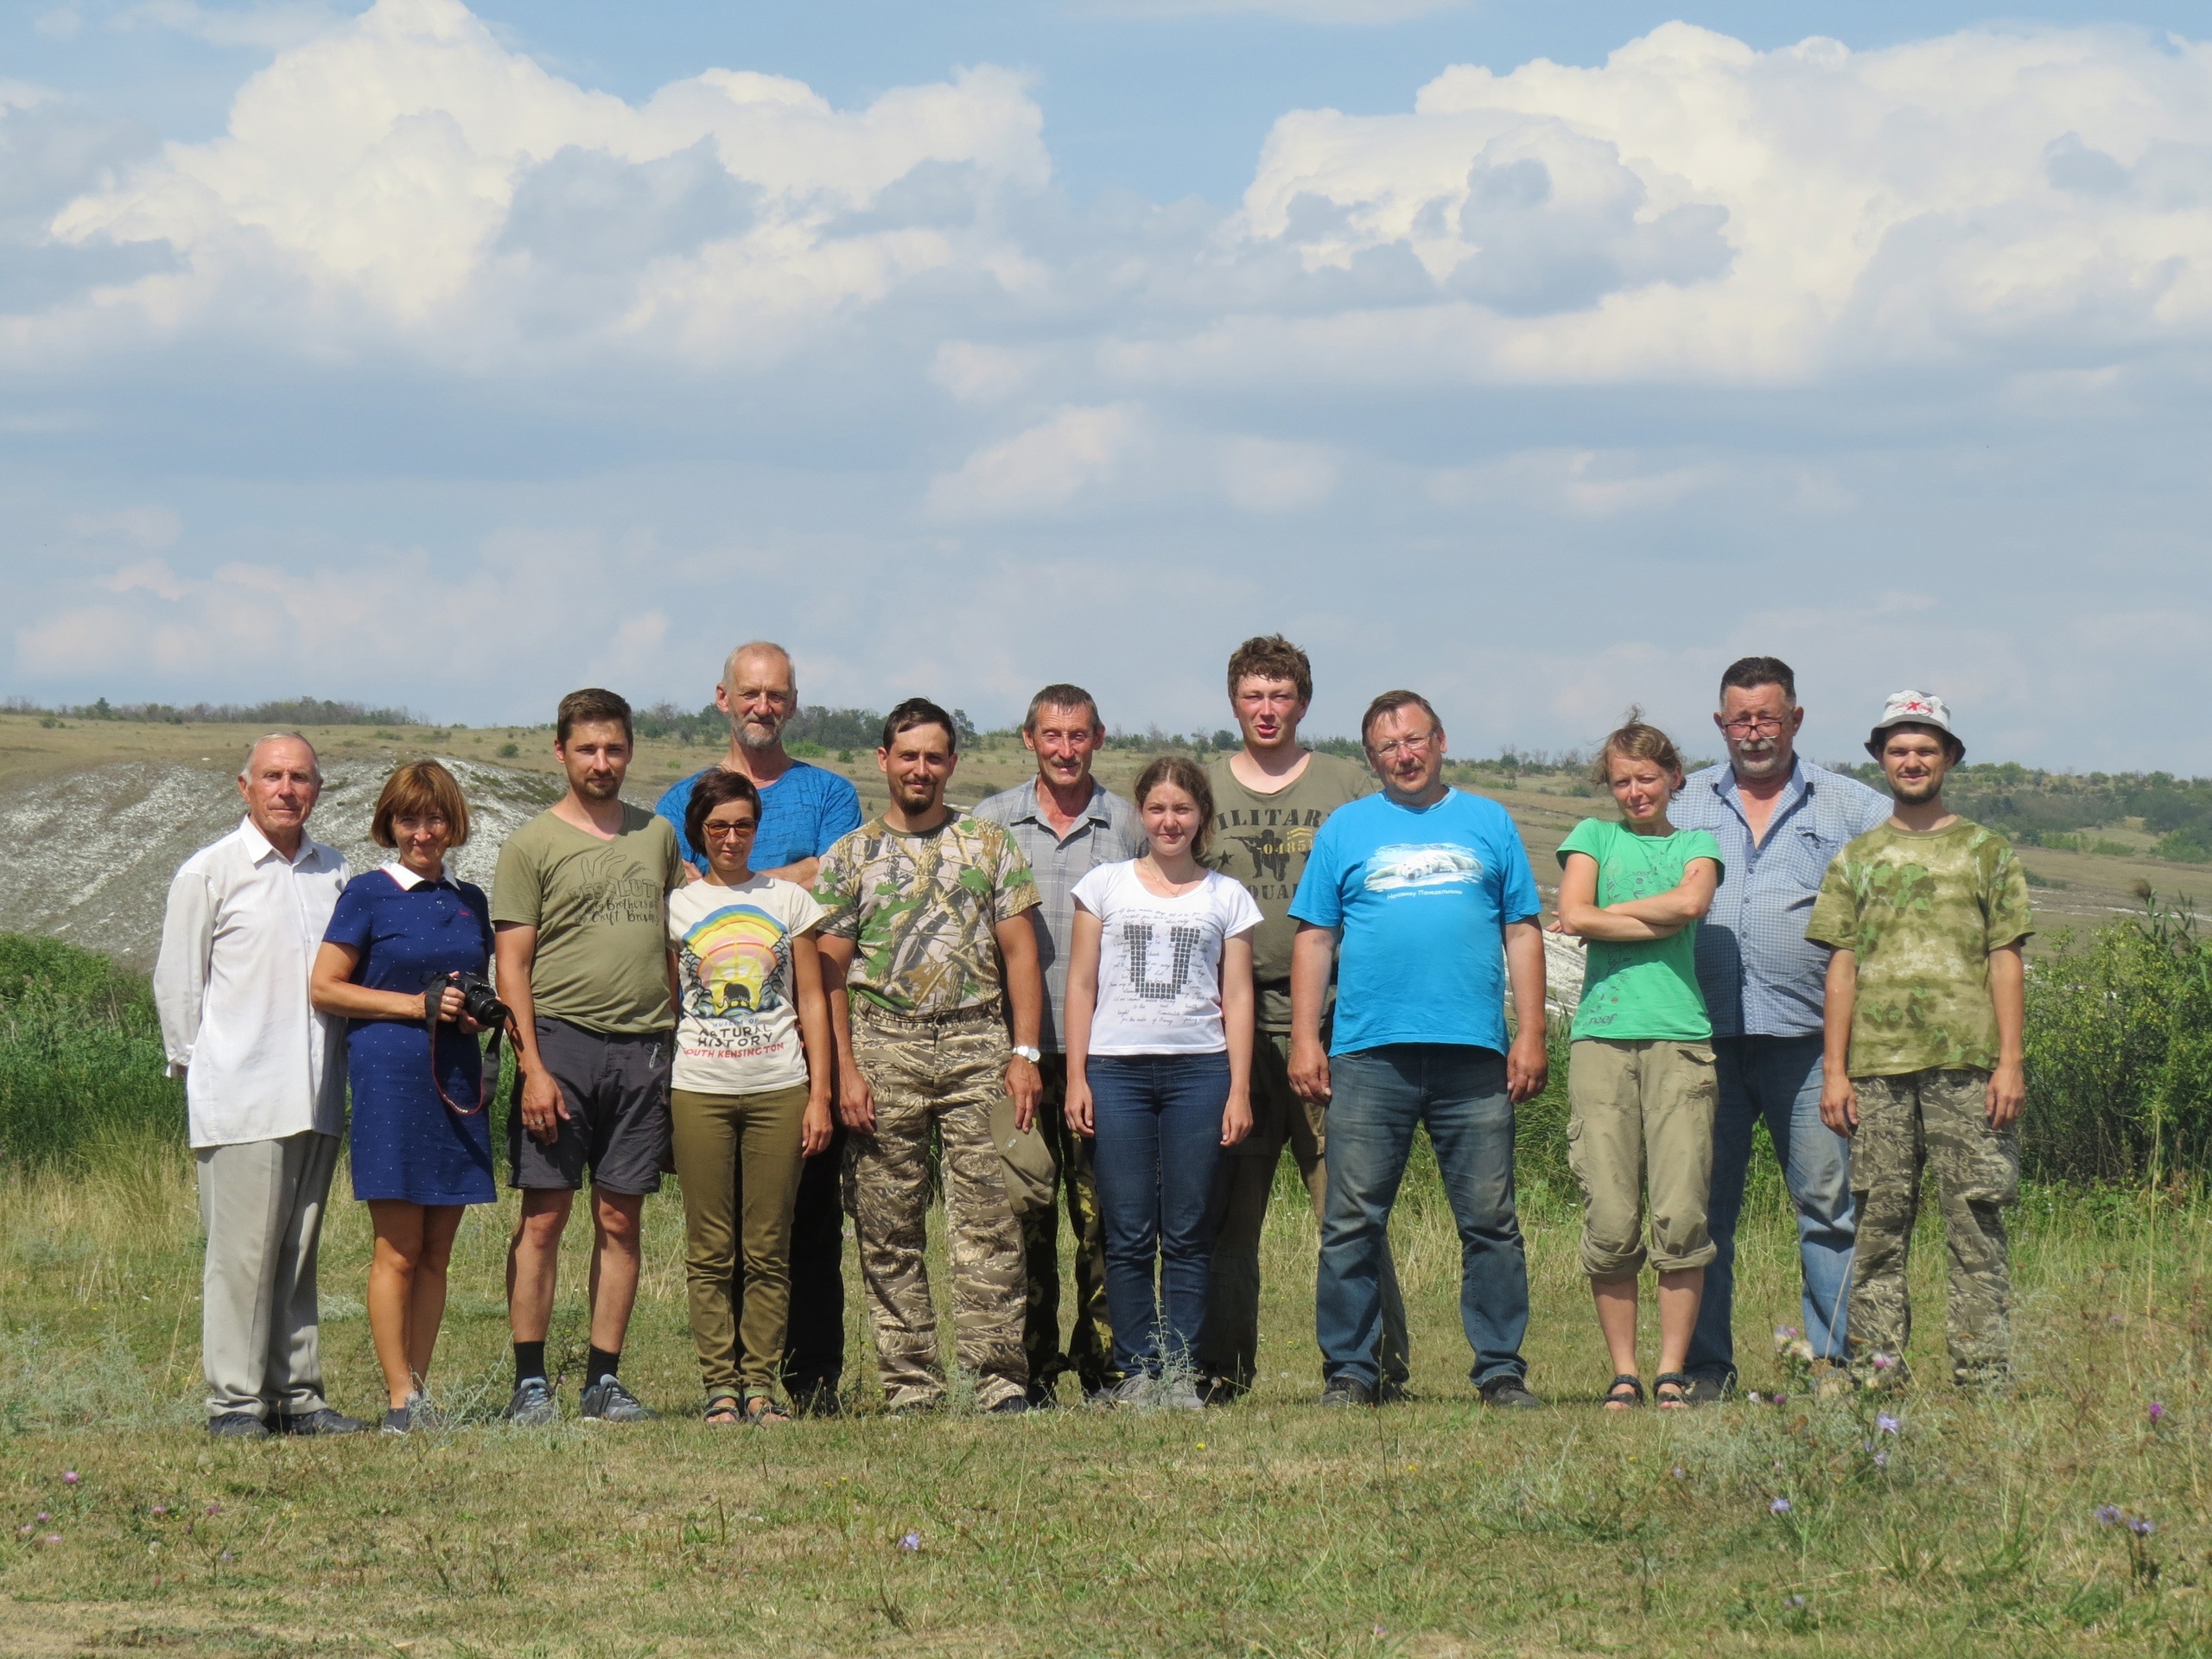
[[1544, 358]]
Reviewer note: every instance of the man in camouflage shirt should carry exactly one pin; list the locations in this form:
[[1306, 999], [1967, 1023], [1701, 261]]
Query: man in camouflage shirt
[[926, 948], [1927, 915]]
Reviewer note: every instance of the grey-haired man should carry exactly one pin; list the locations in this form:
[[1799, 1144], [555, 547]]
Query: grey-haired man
[[264, 1085]]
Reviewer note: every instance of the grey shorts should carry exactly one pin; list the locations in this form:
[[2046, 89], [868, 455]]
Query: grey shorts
[[616, 1089]]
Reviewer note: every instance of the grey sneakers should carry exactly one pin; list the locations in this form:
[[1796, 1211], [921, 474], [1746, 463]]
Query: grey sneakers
[[532, 1404], [607, 1401], [322, 1420]]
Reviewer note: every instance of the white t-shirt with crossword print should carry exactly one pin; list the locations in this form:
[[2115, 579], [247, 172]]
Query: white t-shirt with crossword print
[[1160, 961]]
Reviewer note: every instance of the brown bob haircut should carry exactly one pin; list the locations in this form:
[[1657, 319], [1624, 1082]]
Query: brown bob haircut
[[1270, 656], [1635, 741], [420, 789], [716, 788], [593, 706], [1188, 776]]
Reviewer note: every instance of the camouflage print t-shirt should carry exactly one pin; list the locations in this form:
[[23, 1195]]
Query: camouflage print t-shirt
[[921, 908], [1922, 910]]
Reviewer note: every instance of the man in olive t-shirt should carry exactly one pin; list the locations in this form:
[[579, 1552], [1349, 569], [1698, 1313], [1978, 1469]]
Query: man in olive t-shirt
[[1270, 796], [1927, 915], [579, 906]]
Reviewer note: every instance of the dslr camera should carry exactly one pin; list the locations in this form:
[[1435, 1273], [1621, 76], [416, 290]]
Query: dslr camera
[[478, 1000]]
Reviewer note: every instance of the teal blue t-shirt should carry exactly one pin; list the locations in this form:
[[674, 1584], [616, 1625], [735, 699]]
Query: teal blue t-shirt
[[1642, 990]]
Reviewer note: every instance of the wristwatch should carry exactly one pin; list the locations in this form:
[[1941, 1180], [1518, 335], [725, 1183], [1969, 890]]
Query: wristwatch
[[1025, 1051]]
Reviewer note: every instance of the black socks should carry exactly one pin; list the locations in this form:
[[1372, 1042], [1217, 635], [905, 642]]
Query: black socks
[[530, 1361], [600, 1363]]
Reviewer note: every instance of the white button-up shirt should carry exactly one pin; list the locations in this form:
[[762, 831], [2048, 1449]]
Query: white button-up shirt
[[238, 940]]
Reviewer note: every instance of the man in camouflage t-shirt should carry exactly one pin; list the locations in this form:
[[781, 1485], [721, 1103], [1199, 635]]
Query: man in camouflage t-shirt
[[1927, 915], [929, 955]]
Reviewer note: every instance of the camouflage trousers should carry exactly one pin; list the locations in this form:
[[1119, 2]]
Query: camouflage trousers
[[1938, 1117], [940, 1075], [1090, 1353]]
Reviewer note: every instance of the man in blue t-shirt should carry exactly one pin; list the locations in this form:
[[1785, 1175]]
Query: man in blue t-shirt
[[803, 810], [1424, 898]]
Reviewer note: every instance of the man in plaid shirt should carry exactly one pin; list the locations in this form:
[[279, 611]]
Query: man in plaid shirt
[[1779, 821]]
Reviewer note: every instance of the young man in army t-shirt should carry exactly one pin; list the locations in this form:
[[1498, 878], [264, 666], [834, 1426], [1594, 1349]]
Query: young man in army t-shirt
[[1926, 999], [1269, 798]]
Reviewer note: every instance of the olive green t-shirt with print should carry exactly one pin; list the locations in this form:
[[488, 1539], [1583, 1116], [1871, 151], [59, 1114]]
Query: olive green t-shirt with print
[[600, 909], [1922, 910], [1262, 842]]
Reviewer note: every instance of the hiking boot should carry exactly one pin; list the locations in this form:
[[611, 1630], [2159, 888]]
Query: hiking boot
[[532, 1404], [1709, 1391], [1509, 1393], [237, 1426], [322, 1420], [1393, 1391], [1346, 1391], [607, 1401], [816, 1398]]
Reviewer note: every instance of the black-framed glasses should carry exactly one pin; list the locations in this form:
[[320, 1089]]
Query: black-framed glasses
[[1744, 724]]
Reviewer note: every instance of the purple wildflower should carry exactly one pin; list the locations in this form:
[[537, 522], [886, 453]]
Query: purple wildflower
[[215, 1509], [43, 1515], [1883, 1362], [25, 1530], [911, 1541], [2158, 1411], [2140, 1527], [52, 1537], [1793, 1604], [2107, 1514], [1780, 1506], [1680, 1473], [1886, 1423], [70, 1477], [160, 1509], [1881, 1460]]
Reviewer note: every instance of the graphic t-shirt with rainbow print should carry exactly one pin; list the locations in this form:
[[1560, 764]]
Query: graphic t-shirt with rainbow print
[[737, 1031]]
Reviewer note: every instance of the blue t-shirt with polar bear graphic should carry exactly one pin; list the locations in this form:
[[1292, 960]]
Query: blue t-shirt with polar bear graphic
[[1421, 896]]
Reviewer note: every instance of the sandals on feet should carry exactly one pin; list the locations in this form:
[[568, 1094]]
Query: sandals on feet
[[725, 1409], [1616, 1401], [762, 1412], [1671, 1391]]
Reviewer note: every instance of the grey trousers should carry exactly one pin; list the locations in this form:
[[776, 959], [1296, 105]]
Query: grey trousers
[[260, 1205]]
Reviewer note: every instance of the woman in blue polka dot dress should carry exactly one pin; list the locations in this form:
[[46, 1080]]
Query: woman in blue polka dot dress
[[418, 1157]]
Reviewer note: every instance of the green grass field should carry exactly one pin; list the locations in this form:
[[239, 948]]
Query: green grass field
[[1268, 1528]]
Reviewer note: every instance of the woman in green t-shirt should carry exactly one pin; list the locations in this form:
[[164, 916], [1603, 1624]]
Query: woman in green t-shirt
[[1640, 1085]]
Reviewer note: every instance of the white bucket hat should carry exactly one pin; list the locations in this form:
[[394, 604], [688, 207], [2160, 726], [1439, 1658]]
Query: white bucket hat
[[1913, 708]]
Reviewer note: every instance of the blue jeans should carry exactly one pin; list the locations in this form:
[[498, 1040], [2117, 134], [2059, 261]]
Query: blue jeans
[[1379, 1096], [1157, 1123], [1778, 1078]]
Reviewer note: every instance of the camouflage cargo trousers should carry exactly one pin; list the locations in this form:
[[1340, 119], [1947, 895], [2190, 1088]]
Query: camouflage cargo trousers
[[1939, 1118], [943, 1075], [1090, 1353]]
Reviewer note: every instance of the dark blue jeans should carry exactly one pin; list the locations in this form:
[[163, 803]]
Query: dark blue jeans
[[1378, 1095], [1778, 1078], [1157, 1123]]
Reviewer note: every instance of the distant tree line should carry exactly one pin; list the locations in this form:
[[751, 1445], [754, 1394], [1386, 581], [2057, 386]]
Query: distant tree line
[[285, 711], [2037, 808]]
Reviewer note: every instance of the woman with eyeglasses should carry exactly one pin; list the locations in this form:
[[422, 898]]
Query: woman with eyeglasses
[[750, 1101], [420, 1143]]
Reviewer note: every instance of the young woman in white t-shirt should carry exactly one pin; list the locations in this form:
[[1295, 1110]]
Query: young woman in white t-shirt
[[750, 1100], [1159, 1065]]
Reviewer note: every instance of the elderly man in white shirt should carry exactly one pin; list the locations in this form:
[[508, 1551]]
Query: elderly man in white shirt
[[265, 1088]]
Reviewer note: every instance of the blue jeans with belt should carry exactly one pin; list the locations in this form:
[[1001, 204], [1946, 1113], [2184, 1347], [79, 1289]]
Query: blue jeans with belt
[[1778, 1078], [1157, 1120], [1378, 1096]]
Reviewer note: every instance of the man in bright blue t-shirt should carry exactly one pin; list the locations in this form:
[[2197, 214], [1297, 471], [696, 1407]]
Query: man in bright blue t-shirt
[[1423, 897], [803, 810]]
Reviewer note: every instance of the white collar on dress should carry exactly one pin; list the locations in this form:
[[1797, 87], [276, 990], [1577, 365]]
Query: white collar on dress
[[407, 879]]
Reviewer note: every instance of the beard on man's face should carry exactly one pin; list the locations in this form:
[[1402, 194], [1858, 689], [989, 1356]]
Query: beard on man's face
[[754, 732]]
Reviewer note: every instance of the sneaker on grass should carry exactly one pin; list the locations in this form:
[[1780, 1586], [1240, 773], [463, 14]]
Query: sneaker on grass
[[1509, 1393], [237, 1426], [322, 1420], [609, 1402], [1135, 1392], [532, 1404], [1179, 1393], [1343, 1391]]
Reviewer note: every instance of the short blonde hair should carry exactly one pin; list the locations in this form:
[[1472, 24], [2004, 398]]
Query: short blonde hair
[[420, 789], [1635, 741]]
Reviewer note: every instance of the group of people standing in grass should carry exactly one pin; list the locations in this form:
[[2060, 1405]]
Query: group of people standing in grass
[[1128, 1007]]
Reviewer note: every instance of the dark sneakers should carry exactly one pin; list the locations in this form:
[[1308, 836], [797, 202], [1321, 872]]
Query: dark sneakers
[[237, 1426], [607, 1401], [532, 1404], [1708, 1390], [1509, 1393], [322, 1420], [1014, 1405], [1346, 1391]]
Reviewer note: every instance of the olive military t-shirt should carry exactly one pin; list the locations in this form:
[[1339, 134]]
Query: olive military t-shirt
[[600, 909], [1262, 841], [1922, 909]]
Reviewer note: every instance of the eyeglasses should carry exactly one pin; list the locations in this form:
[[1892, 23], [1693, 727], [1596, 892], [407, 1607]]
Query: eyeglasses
[[727, 831], [1417, 744], [1744, 724]]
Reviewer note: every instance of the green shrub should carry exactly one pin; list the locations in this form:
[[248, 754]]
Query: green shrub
[[80, 1056], [2119, 1051]]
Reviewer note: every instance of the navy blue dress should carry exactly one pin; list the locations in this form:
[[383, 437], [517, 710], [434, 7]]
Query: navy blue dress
[[406, 1142]]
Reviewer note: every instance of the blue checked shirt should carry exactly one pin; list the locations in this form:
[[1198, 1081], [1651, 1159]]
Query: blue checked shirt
[[1761, 976], [1109, 833]]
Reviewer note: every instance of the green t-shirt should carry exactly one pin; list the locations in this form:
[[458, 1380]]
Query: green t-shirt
[[1922, 910], [600, 909], [1640, 991], [1262, 842]]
